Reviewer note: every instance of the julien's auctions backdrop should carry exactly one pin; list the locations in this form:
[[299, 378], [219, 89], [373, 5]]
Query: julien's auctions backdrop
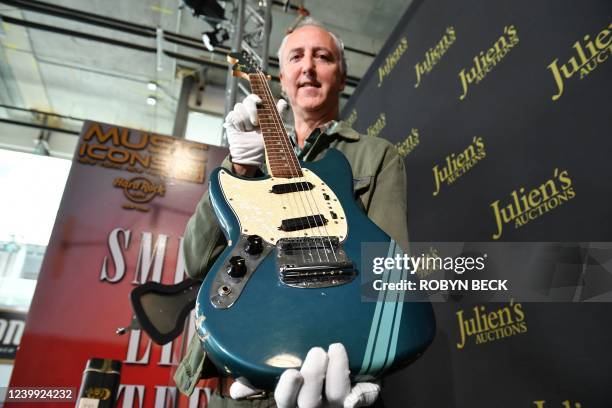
[[501, 111], [120, 224]]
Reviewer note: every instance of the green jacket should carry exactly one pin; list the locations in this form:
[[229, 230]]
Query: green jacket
[[379, 181]]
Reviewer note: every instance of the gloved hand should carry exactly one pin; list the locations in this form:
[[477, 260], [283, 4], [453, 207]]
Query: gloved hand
[[304, 388], [243, 135]]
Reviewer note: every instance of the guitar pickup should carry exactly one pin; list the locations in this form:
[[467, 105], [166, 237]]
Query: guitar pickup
[[291, 187], [300, 223]]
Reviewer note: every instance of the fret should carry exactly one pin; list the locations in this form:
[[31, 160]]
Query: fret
[[281, 160], [281, 156], [277, 147], [283, 166]]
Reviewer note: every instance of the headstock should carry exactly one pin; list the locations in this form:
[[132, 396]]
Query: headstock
[[243, 64]]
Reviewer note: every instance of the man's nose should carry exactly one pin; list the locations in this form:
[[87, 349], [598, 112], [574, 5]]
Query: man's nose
[[308, 65]]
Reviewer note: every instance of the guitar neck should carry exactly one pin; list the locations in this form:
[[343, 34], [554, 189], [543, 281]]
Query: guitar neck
[[280, 157]]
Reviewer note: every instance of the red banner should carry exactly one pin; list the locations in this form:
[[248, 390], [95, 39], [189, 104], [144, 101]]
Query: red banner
[[125, 206]]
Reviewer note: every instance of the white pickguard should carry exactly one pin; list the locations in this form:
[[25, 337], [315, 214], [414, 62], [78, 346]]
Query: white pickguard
[[261, 212]]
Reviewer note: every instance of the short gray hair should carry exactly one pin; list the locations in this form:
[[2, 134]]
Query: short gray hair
[[309, 21]]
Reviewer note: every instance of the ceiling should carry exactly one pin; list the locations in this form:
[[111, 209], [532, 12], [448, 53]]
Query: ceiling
[[84, 78]]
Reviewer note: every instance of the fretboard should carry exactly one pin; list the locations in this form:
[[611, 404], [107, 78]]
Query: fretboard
[[280, 157]]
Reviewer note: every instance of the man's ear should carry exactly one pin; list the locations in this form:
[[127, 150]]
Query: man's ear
[[280, 78]]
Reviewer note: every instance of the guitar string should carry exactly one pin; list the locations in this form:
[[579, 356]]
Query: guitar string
[[313, 199], [278, 124], [284, 198], [327, 234]]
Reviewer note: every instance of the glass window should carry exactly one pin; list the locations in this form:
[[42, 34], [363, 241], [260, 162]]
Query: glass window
[[32, 188]]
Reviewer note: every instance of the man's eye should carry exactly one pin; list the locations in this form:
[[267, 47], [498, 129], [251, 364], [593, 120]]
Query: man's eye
[[294, 57]]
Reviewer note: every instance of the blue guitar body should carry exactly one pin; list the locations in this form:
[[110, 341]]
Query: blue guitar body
[[258, 325]]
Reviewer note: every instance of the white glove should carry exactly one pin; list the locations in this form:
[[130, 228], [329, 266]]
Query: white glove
[[304, 388], [243, 135]]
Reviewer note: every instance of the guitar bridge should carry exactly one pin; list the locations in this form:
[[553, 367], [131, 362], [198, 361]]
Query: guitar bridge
[[313, 262]]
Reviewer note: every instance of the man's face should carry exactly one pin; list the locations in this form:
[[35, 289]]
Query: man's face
[[311, 70]]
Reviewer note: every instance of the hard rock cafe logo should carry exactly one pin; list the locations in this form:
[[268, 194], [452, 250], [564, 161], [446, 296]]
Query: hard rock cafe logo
[[378, 126], [409, 144], [456, 166], [434, 54], [392, 60], [589, 55], [487, 326], [139, 190], [485, 61], [527, 206]]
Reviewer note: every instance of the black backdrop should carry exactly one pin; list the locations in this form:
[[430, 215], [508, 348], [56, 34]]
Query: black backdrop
[[514, 146]]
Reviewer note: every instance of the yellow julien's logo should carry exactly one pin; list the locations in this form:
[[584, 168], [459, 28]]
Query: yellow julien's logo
[[486, 326], [486, 61], [392, 60], [456, 166], [409, 144], [352, 118], [589, 55], [434, 54], [378, 126], [527, 206], [564, 404]]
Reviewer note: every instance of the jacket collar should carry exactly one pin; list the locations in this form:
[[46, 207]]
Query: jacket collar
[[342, 129]]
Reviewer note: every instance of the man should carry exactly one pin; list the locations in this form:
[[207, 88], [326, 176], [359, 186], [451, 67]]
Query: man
[[312, 74]]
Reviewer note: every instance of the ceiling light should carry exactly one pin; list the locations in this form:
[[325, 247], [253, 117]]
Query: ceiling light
[[152, 85], [151, 100]]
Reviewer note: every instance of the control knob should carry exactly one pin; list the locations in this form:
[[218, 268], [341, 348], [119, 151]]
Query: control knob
[[237, 267], [254, 245]]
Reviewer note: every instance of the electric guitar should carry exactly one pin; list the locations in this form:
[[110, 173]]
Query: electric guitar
[[291, 277]]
